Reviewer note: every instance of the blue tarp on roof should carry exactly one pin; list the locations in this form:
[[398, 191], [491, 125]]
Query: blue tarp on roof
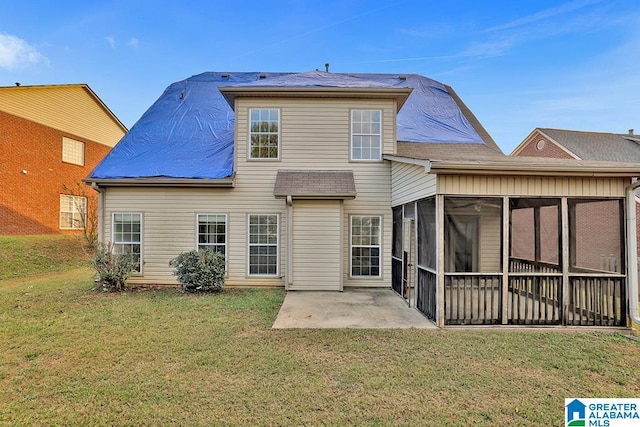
[[189, 131]]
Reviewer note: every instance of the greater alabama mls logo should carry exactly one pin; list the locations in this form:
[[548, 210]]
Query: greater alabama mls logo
[[602, 412]]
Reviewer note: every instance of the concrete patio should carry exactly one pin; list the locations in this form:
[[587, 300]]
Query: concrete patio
[[353, 308]]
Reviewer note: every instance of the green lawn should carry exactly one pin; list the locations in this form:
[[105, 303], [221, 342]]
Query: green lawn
[[71, 356], [22, 256]]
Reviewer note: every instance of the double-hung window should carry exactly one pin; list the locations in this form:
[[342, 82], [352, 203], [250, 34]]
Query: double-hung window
[[73, 212], [365, 245], [366, 135], [212, 232], [263, 245], [264, 133], [127, 236]]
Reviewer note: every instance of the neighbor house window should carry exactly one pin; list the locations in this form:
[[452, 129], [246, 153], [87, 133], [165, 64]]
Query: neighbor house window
[[72, 151], [263, 245], [73, 212], [365, 246], [264, 133], [212, 232], [366, 135], [127, 236]]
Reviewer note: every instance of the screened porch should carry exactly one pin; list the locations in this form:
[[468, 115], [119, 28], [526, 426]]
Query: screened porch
[[511, 260]]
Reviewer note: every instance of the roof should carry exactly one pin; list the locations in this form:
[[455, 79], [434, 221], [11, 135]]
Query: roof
[[315, 184], [189, 131], [448, 162], [596, 145], [71, 108]]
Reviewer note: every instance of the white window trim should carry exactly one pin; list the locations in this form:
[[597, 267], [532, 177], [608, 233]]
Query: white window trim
[[379, 246], [74, 212], [264, 159], [249, 245], [226, 239], [113, 242], [351, 134], [74, 141]]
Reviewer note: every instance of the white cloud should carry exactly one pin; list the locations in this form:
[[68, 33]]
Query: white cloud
[[16, 52], [133, 43], [111, 40]]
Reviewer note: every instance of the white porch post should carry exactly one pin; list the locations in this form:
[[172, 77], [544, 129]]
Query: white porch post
[[565, 260], [505, 260], [440, 251]]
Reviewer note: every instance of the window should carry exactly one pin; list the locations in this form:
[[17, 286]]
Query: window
[[72, 151], [366, 134], [365, 246], [73, 212], [263, 245], [127, 236], [264, 133], [212, 232]]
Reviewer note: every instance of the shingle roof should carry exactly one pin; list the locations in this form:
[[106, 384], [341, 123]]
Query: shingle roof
[[315, 184], [597, 146]]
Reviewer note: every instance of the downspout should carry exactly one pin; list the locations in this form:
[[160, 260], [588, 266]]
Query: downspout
[[100, 210], [289, 241], [632, 242]]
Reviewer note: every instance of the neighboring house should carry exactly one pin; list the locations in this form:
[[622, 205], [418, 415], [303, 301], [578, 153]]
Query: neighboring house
[[51, 137], [321, 181], [581, 145]]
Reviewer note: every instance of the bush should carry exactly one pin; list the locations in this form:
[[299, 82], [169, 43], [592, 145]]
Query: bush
[[113, 269], [199, 271]]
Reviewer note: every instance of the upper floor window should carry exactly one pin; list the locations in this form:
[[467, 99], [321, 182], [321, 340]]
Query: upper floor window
[[73, 212], [366, 135], [72, 151], [264, 133]]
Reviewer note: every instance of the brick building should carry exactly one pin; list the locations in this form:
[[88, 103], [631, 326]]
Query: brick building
[[51, 137], [600, 251]]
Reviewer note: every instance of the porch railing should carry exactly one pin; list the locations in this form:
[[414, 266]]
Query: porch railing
[[426, 301], [521, 265], [597, 300], [472, 298], [534, 299]]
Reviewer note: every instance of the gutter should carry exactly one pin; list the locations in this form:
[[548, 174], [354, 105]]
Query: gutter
[[632, 242]]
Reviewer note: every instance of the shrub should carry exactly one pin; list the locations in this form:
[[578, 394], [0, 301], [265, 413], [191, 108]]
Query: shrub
[[199, 271], [113, 269]]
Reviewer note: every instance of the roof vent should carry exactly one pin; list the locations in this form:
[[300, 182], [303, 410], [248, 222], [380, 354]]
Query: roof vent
[[224, 75], [402, 77], [17, 83], [630, 131], [326, 67], [262, 76]]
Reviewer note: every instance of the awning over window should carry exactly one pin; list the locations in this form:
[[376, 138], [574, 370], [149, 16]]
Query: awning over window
[[315, 184]]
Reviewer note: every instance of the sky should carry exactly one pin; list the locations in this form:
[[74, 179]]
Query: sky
[[518, 65]]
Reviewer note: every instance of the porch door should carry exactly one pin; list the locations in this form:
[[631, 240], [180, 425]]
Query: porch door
[[317, 245], [408, 231]]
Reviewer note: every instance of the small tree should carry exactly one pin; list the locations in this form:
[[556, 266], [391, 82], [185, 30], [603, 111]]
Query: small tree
[[200, 271], [113, 269], [88, 215]]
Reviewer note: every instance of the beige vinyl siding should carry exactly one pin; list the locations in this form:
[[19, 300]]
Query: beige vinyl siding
[[490, 242], [316, 238], [531, 186], [69, 108], [410, 183], [170, 227], [314, 136]]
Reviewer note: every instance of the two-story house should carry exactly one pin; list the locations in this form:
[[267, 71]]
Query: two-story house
[[320, 181], [51, 137]]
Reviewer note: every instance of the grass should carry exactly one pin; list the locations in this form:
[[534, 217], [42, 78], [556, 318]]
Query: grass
[[22, 256], [75, 357]]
